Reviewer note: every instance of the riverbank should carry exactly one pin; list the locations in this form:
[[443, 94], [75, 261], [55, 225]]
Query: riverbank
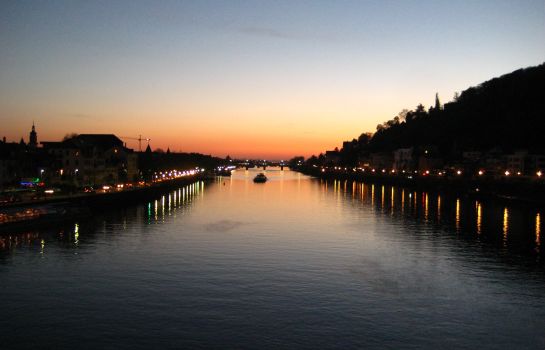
[[56, 210], [512, 190]]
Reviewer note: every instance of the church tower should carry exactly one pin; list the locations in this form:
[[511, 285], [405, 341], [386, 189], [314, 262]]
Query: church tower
[[33, 138]]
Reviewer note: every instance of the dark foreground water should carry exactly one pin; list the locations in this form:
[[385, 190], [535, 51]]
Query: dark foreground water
[[292, 263]]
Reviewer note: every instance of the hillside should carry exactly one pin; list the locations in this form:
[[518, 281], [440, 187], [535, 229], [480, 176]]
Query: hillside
[[507, 112]]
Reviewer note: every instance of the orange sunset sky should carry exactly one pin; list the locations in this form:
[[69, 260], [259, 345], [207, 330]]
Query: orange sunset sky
[[251, 79]]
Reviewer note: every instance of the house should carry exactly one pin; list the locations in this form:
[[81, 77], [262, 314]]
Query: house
[[429, 158], [20, 160], [10, 162], [382, 160], [516, 161], [332, 157], [403, 159], [524, 162], [93, 159], [471, 156], [535, 162]]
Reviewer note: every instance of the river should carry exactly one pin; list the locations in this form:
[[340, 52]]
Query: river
[[295, 262]]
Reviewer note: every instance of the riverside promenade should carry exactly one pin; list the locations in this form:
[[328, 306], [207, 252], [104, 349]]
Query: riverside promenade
[[53, 210]]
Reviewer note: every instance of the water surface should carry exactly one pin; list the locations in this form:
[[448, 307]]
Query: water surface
[[292, 263]]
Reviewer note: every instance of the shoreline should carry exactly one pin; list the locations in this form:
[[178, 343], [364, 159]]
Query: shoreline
[[73, 207], [509, 191]]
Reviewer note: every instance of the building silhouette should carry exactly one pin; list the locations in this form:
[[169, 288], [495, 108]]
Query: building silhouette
[[33, 137], [91, 159]]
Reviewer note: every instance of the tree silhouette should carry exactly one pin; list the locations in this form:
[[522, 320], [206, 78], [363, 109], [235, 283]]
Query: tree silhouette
[[503, 114]]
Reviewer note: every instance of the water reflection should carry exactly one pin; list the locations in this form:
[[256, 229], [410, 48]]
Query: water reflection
[[479, 217], [457, 214], [73, 235], [438, 208], [76, 234], [426, 206], [392, 198], [402, 201], [505, 225], [169, 204], [538, 231], [513, 228], [382, 197], [335, 264]]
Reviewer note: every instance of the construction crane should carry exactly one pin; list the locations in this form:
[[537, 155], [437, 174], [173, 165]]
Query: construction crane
[[139, 139]]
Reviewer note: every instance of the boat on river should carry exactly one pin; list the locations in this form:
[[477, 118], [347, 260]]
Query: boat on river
[[260, 178]]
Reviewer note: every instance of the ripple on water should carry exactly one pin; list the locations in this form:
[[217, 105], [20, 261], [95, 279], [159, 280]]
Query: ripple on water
[[292, 263]]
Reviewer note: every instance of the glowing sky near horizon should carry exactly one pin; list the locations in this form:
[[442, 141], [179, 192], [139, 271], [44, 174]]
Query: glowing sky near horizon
[[270, 79]]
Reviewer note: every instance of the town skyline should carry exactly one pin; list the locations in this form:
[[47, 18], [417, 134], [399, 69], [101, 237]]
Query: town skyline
[[249, 79]]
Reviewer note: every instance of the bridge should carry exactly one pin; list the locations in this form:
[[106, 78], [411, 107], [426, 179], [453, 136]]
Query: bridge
[[260, 163]]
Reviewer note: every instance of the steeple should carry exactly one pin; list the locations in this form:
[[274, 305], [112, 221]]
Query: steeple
[[33, 137]]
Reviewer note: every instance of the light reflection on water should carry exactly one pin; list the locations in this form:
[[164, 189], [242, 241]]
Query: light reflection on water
[[466, 216], [505, 225], [538, 230], [439, 208], [292, 263], [155, 212], [457, 214]]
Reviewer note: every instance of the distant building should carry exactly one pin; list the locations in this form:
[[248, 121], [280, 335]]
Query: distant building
[[493, 161], [350, 146], [33, 138], [382, 160], [429, 158], [471, 156], [403, 159], [536, 162], [332, 157], [516, 162], [93, 159], [364, 161], [429, 163], [525, 163], [20, 160], [10, 154]]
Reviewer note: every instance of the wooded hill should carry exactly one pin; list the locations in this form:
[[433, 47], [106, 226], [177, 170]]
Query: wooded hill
[[505, 113]]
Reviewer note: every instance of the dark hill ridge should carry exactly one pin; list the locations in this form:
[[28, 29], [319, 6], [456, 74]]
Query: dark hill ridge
[[506, 113]]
